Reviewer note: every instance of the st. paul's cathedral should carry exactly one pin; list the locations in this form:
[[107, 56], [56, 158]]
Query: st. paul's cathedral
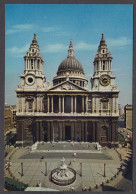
[[68, 110]]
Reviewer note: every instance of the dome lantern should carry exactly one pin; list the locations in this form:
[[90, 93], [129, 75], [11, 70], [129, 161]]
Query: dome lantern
[[70, 50]]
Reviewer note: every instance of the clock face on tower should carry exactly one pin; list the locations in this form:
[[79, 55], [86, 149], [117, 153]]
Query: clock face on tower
[[30, 80], [104, 80]]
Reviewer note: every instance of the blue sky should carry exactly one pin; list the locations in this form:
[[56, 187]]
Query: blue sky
[[55, 25]]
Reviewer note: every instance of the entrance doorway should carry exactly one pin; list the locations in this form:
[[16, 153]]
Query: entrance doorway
[[67, 133]]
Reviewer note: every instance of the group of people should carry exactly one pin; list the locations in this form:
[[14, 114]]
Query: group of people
[[7, 165]]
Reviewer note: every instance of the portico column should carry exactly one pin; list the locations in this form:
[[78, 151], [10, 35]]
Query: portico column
[[75, 103], [94, 131], [62, 104], [48, 134], [82, 130], [59, 104], [60, 127], [52, 104], [37, 131], [113, 108], [48, 99], [85, 131], [52, 131], [41, 132], [86, 103], [83, 104], [63, 132], [34, 105], [71, 104], [72, 131], [75, 131], [38, 108], [41, 103]]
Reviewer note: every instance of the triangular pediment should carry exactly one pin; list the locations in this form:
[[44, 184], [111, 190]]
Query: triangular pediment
[[67, 86]]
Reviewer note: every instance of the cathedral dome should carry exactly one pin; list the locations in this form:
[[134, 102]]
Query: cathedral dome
[[70, 63], [70, 69]]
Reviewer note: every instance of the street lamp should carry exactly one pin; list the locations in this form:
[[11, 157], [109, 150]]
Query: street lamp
[[104, 170], [22, 174]]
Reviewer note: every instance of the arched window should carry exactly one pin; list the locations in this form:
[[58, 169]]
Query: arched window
[[103, 65], [38, 65]]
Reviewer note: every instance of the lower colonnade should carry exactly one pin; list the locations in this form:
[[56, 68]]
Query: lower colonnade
[[60, 131]]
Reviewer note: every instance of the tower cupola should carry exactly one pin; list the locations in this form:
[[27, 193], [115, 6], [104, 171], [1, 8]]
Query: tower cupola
[[103, 58], [33, 58], [103, 78]]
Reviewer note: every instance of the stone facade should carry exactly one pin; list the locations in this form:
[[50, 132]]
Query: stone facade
[[68, 110], [128, 109], [10, 117]]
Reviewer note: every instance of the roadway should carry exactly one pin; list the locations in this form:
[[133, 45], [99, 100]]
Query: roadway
[[125, 132]]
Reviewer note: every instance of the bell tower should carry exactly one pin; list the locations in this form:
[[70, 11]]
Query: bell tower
[[33, 77], [32, 81], [103, 79]]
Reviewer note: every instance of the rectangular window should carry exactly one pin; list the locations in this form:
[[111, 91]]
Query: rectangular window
[[30, 104], [105, 105], [89, 105]]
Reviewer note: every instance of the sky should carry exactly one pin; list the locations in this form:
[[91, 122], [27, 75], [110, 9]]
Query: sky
[[55, 25]]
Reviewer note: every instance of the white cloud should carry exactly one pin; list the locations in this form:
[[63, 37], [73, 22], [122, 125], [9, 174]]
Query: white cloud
[[16, 50], [54, 48], [51, 29], [119, 42], [85, 46], [19, 28]]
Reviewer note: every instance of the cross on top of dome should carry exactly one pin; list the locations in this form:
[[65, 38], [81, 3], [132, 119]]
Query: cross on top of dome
[[34, 36]]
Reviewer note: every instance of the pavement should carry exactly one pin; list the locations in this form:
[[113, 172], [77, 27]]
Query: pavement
[[91, 176]]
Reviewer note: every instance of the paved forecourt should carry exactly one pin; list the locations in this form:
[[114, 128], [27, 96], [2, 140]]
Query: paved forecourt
[[92, 173]]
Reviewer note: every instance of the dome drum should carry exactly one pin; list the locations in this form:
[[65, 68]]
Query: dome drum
[[76, 80]]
